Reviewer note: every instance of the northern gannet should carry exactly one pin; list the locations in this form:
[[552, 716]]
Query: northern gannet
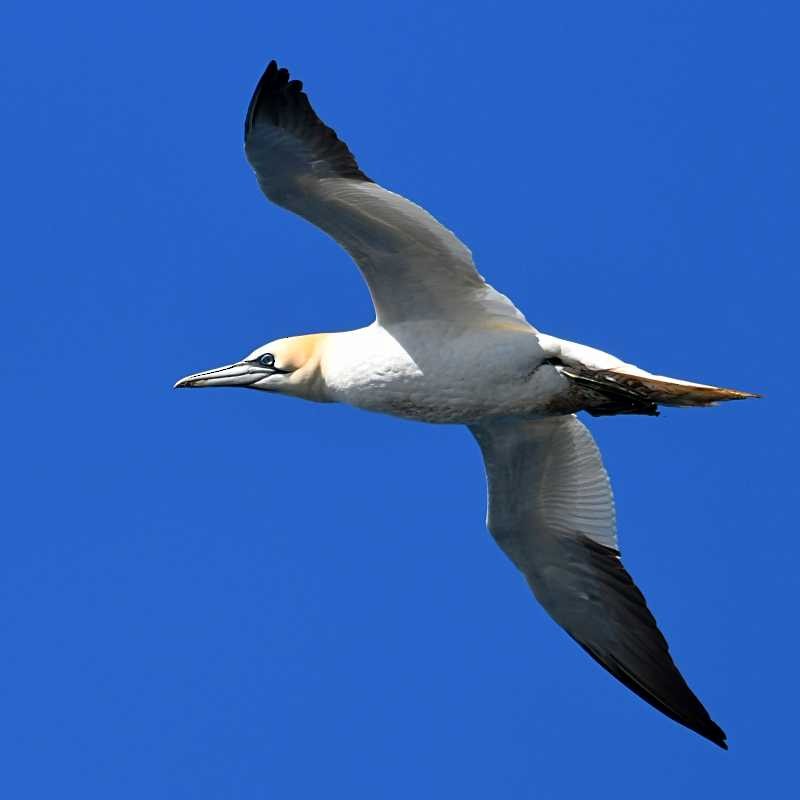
[[446, 347]]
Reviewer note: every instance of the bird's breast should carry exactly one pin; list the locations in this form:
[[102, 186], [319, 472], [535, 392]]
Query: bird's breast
[[439, 372]]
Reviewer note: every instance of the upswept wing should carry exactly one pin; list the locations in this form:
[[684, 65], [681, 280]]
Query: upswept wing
[[551, 510], [415, 268]]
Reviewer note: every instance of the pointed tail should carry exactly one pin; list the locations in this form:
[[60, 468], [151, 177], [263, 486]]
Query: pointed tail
[[671, 391], [607, 385], [629, 390]]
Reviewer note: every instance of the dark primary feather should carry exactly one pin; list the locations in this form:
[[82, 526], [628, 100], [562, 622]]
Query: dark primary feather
[[282, 104], [548, 498], [631, 647], [415, 268]]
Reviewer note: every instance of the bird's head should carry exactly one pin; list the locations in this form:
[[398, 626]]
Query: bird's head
[[288, 366]]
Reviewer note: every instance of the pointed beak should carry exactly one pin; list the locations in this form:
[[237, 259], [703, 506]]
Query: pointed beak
[[240, 374]]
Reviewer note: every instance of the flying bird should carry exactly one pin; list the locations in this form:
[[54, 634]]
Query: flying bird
[[445, 347]]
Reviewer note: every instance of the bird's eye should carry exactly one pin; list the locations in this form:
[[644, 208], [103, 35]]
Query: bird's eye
[[267, 360]]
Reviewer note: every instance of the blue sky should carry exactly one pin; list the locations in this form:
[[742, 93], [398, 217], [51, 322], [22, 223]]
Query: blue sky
[[225, 594]]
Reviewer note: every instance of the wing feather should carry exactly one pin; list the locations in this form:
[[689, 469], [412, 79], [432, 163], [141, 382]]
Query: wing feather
[[551, 510], [415, 268]]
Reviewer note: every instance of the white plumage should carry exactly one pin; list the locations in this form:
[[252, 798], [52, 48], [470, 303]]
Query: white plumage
[[446, 347]]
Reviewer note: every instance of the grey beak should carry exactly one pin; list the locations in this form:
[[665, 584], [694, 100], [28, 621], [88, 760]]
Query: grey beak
[[240, 374]]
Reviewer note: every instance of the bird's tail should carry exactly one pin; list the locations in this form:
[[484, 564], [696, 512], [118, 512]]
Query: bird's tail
[[603, 384], [629, 390]]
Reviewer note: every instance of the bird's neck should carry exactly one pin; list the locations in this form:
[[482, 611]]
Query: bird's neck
[[308, 381]]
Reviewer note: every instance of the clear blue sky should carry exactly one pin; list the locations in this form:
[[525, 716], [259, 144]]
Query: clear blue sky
[[225, 594]]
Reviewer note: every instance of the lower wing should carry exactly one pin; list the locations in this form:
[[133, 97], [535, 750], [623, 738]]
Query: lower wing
[[552, 511]]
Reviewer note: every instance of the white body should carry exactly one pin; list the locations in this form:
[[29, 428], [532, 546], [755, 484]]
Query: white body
[[441, 371], [448, 348]]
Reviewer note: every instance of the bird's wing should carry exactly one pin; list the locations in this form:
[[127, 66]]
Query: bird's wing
[[415, 268], [551, 510]]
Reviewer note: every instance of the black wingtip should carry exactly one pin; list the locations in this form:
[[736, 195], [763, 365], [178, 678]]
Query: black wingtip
[[638, 654], [698, 720], [715, 735], [280, 101], [266, 77]]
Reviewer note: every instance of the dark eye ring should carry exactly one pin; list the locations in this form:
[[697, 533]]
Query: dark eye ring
[[267, 360]]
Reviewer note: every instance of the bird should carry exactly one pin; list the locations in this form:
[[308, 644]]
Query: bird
[[447, 348]]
